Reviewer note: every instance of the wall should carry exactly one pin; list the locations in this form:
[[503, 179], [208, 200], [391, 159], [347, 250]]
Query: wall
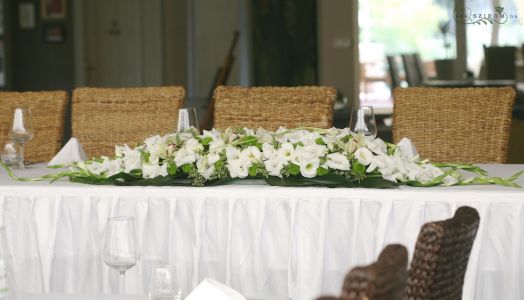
[[175, 42], [38, 65], [338, 46], [213, 25]]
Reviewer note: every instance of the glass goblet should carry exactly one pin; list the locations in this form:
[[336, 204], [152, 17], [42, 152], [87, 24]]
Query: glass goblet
[[163, 284], [187, 120], [363, 121], [21, 130], [121, 251]]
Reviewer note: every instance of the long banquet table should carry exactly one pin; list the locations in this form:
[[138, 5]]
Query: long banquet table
[[266, 242]]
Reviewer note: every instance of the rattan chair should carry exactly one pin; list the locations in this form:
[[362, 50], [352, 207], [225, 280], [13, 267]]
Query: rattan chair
[[271, 107], [105, 117], [48, 112], [382, 280], [441, 257], [468, 125]]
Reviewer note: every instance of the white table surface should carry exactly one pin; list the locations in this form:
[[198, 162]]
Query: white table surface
[[265, 242]]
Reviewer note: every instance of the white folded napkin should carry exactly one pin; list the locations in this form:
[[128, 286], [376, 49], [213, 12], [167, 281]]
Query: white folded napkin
[[211, 289], [407, 148], [71, 152]]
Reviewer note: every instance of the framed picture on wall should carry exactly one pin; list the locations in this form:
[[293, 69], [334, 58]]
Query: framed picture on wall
[[53, 9], [54, 33]]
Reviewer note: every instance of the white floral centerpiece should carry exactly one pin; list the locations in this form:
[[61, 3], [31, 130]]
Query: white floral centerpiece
[[299, 157]]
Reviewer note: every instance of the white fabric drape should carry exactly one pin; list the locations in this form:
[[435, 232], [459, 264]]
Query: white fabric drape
[[265, 242]]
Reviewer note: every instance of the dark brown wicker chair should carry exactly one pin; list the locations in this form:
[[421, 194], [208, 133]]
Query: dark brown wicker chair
[[382, 280], [441, 257]]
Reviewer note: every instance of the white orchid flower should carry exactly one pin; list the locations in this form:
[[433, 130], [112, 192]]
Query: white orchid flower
[[377, 145], [154, 170], [232, 153]]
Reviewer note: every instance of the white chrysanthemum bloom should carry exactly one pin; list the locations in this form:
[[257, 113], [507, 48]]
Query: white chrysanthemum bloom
[[337, 161], [364, 156], [308, 168], [268, 151], [184, 156], [251, 154], [238, 168], [232, 153], [286, 152], [377, 145], [274, 166], [154, 170]]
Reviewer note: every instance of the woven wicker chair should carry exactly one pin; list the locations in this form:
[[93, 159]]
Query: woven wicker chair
[[48, 112], [468, 125], [382, 280], [271, 107], [441, 257], [105, 117]]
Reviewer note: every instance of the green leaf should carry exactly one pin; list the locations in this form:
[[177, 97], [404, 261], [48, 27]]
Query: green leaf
[[253, 170], [293, 169], [171, 168], [247, 140], [358, 168], [146, 156], [187, 168], [322, 171], [332, 181], [320, 141], [205, 141]]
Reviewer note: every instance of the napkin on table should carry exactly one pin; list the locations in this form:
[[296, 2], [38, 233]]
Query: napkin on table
[[71, 152], [211, 289]]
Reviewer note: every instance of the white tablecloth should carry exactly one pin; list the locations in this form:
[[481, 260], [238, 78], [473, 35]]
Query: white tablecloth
[[78, 297], [266, 242]]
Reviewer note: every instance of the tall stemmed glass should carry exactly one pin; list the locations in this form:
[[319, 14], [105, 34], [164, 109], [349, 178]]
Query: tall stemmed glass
[[121, 251], [21, 130], [187, 120], [363, 121]]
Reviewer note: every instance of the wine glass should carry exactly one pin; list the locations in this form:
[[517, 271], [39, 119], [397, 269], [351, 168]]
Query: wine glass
[[363, 121], [163, 285], [121, 250], [187, 120], [9, 153], [21, 130]]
